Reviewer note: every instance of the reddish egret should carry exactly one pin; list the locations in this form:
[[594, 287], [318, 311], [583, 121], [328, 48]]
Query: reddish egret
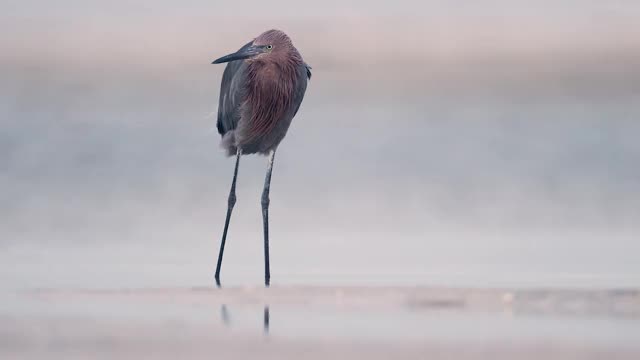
[[262, 88]]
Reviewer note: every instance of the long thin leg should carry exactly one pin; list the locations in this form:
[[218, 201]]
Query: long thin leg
[[232, 202], [265, 218]]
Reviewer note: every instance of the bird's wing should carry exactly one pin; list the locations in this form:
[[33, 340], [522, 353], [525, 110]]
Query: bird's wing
[[308, 71], [304, 73], [232, 94]]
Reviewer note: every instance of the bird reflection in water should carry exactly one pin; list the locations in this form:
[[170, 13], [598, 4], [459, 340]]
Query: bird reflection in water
[[225, 316], [265, 321]]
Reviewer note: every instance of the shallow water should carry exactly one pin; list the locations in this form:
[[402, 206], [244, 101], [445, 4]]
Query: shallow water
[[339, 321], [449, 191]]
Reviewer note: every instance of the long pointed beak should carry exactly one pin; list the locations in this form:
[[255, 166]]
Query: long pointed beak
[[244, 53]]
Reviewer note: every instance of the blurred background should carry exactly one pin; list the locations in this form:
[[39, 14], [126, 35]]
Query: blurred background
[[461, 143]]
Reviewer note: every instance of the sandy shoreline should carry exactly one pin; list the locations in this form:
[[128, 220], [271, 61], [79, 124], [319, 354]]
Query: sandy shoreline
[[320, 322], [623, 302]]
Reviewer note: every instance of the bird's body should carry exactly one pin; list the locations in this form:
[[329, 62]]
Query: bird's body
[[262, 88], [260, 96]]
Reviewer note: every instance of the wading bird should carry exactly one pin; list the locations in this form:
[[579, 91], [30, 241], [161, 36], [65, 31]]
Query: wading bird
[[262, 88]]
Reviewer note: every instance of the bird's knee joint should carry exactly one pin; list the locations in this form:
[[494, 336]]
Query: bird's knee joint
[[232, 200], [265, 201]]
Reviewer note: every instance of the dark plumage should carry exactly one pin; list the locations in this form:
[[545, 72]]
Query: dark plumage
[[260, 95], [262, 88]]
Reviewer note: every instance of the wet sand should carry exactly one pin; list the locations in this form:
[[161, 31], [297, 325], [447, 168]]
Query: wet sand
[[320, 323]]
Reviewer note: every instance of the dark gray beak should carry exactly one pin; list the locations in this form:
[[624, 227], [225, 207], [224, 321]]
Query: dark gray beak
[[245, 52]]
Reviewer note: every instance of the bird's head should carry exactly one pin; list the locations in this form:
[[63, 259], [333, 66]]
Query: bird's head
[[270, 45]]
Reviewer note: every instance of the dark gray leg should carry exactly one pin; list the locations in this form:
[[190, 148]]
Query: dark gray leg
[[265, 218], [232, 202]]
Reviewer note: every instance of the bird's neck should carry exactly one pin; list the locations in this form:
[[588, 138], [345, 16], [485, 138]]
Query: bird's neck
[[271, 80], [269, 72], [270, 93]]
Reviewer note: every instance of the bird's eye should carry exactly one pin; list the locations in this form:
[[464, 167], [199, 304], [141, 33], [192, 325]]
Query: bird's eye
[[269, 47]]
